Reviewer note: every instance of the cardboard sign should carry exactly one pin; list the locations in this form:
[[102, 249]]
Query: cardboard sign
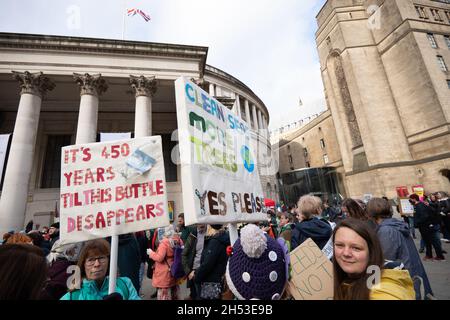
[[219, 171], [112, 188], [311, 273], [406, 208]]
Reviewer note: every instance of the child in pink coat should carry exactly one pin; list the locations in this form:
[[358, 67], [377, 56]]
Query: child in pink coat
[[162, 279]]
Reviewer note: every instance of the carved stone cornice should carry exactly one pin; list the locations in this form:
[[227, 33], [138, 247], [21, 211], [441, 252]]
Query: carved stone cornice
[[143, 86], [33, 83], [91, 84], [226, 101], [201, 83]]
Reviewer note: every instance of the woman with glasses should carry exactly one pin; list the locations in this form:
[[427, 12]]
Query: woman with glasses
[[94, 265]]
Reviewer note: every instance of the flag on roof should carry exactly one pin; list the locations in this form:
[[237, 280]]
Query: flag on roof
[[134, 11]]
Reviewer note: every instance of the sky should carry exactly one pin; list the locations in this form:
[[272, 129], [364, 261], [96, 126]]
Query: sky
[[268, 45]]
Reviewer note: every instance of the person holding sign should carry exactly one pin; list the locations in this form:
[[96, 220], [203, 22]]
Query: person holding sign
[[93, 264], [358, 266]]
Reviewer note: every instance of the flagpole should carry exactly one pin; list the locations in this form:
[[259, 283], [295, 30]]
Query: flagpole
[[123, 19]]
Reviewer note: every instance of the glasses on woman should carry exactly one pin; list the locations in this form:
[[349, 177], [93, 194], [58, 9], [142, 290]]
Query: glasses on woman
[[91, 261]]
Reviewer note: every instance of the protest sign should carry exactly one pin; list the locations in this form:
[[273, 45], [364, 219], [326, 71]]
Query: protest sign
[[405, 207], [329, 246], [311, 273], [112, 188], [402, 191], [418, 189], [219, 171], [114, 136]]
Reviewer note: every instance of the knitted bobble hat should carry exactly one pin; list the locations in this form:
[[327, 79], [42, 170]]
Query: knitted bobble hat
[[257, 267]]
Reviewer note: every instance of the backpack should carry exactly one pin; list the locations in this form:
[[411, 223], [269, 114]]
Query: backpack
[[176, 269]]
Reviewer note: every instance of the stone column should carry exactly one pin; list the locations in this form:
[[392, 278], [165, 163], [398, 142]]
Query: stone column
[[13, 201], [91, 86], [234, 108], [238, 105], [266, 126], [211, 90], [218, 91], [145, 89], [247, 113], [255, 118], [260, 123]]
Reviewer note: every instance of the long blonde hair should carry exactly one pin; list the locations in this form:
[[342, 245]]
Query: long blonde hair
[[210, 231]]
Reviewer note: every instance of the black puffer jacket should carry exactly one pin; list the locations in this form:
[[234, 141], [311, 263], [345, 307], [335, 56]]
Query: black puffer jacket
[[423, 215], [214, 259]]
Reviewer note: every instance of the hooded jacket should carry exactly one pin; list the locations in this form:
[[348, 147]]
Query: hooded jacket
[[90, 291], [394, 285], [163, 257], [318, 230], [214, 258], [397, 245]]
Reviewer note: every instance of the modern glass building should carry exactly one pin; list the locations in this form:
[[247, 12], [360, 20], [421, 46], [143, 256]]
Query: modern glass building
[[324, 182]]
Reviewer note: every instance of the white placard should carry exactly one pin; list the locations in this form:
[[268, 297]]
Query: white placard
[[4, 139], [114, 136], [328, 249], [112, 188], [406, 208], [219, 171]]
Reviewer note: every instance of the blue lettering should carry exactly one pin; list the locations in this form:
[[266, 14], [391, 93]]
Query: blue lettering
[[213, 107], [231, 119], [220, 113], [206, 104], [197, 101], [189, 88]]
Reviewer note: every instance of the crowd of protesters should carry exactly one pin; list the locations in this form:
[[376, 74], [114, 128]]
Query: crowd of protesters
[[37, 264]]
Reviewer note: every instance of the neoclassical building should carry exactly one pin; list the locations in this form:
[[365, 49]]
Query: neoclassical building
[[57, 91], [385, 69]]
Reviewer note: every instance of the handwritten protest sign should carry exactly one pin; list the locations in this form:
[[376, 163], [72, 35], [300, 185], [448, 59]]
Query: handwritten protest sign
[[219, 171], [112, 188], [311, 273], [406, 208]]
